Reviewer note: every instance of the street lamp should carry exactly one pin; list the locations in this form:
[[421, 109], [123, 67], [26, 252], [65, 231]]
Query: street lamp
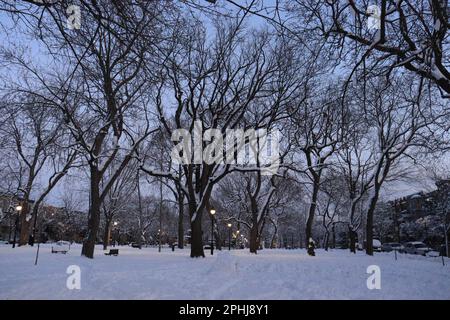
[[159, 240], [212, 211], [18, 209], [115, 223], [229, 236]]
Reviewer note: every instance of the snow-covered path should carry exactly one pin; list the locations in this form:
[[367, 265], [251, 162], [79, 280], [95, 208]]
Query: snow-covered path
[[272, 274]]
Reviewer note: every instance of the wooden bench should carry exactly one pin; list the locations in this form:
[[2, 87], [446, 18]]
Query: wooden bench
[[112, 252]]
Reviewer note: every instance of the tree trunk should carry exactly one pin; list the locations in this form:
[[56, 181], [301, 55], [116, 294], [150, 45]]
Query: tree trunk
[[33, 224], [180, 221], [94, 218], [333, 230], [325, 240], [197, 238], [352, 236], [24, 224], [196, 210], [312, 212], [369, 225], [107, 234], [140, 231], [254, 245]]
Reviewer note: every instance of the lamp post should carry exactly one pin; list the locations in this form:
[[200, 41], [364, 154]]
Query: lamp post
[[212, 211], [159, 240], [18, 209], [115, 231], [229, 236]]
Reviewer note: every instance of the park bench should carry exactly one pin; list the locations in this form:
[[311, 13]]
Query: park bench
[[61, 247], [112, 252]]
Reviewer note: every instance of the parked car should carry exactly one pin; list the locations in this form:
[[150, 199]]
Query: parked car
[[391, 246], [433, 254], [416, 247]]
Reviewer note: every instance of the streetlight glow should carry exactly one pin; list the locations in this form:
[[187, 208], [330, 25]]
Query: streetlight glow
[[229, 225], [19, 208], [212, 211], [116, 223]]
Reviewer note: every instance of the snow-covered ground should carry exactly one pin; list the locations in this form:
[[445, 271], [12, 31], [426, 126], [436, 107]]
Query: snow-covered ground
[[272, 274]]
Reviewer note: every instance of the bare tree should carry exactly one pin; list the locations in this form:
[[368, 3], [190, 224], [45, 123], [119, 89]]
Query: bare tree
[[331, 204], [107, 88], [401, 118], [117, 198], [317, 126], [407, 34], [213, 86], [41, 147], [257, 192], [354, 165]]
